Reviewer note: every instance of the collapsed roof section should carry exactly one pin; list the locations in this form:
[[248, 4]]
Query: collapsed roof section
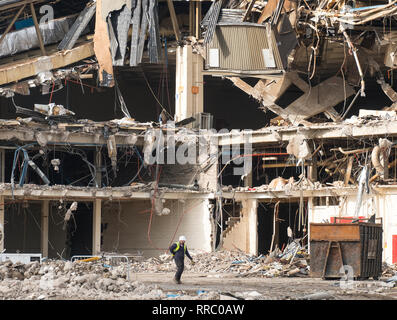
[[342, 44], [101, 31], [326, 49]]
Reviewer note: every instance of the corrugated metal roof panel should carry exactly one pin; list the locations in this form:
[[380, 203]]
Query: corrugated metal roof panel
[[241, 47]]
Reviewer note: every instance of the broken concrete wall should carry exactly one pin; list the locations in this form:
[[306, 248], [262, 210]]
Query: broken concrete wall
[[322, 213], [244, 234], [387, 205], [236, 238], [126, 227]]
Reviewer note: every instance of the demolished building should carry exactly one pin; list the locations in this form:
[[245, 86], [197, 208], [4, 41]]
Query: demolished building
[[99, 98]]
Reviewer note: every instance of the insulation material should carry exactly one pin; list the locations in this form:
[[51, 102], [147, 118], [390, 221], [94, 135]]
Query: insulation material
[[158, 204], [112, 152], [148, 146], [299, 148], [379, 154], [26, 39]]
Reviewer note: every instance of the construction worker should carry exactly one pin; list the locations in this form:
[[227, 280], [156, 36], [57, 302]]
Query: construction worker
[[178, 251]]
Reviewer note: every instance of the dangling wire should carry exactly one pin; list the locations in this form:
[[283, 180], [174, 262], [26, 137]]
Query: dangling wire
[[154, 95], [123, 106]]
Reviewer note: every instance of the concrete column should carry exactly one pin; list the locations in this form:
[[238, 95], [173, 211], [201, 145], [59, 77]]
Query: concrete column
[[96, 227], [310, 219], [2, 165], [189, 83], [98, 167], [45, 208], [2, 236], [252, 230]]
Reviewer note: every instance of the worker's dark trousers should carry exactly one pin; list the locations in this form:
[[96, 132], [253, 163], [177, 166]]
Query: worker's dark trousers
[[180, 265]]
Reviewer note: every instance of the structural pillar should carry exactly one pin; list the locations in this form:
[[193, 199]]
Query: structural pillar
[[96, 227], [98, 167], [2, 234], [2, 165], [252, 230], [189, 83], [45, 209]]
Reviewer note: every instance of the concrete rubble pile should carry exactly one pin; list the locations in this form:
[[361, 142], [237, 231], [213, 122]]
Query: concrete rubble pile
[[263, 266], [389, 271], [79, 281], [276, 264]]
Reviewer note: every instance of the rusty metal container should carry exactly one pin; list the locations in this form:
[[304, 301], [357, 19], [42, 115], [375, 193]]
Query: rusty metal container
[[333, 245]]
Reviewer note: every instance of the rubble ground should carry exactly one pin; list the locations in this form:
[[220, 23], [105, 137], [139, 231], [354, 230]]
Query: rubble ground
[[215, 276]]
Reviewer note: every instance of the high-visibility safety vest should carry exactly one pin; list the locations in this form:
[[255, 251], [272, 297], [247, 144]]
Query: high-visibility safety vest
[[177, 248]]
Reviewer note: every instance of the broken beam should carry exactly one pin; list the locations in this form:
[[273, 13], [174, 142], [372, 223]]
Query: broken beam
[[20, 70], [20, 3], [38, 32], [248, 11], [12, 23], [174, 20], [78, 27]]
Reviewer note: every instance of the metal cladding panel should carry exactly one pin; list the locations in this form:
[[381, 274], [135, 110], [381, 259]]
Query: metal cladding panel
[[241, 48]]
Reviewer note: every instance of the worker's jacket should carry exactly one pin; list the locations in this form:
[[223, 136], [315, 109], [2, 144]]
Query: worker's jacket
[[178, 252]]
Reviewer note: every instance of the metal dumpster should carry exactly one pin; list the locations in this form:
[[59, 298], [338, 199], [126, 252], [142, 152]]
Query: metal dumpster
[[333, 245]]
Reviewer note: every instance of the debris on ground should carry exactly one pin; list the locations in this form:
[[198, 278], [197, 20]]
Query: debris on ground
[[58, 279], [389, 270], [319, 296], [95, 280], [292, 262]]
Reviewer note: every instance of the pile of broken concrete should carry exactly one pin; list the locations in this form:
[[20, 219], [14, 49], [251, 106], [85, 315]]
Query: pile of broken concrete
[[289, 263], [276, 264], [59, 280]]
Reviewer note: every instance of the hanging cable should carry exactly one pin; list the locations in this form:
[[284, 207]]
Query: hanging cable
[[154, 95], [123, 106]]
